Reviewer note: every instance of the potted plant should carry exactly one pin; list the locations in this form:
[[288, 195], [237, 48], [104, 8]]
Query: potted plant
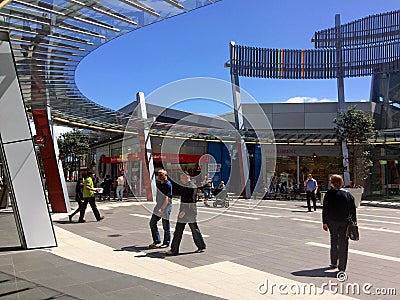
[[356, 127], [73, 147], [357, 192]]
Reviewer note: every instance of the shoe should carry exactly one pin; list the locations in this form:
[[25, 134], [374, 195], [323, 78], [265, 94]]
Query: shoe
[[332, 266], [153, 246], [170, 253], [164, 246], [207, 205], [81, 221], [70, 218], [101, 218], [200, 250]]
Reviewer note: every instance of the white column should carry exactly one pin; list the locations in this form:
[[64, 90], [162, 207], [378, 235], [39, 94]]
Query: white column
[[142, 113], [29, 200]]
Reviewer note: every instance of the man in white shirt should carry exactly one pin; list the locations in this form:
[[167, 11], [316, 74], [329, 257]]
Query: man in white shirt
[[311, 187], [120, 186]]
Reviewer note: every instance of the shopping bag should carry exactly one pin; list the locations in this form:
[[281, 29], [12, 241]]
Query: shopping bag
[[352, 231]]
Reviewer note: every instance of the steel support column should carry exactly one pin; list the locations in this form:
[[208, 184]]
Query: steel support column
[[56, 186], [146, 151], [341, 99], [239, 124]]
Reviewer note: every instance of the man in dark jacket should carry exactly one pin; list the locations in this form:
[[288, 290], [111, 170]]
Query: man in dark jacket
[[106, 185], [187, 214], [78, 197], [338, 207]]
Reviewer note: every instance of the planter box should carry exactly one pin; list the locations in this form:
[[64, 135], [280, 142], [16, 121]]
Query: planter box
[[71, 189], [357, 194]]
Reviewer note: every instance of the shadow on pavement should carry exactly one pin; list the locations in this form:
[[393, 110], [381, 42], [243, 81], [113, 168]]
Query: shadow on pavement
[[64, 222], [13, 287], [160, 253], [133, 248], [320, 272]]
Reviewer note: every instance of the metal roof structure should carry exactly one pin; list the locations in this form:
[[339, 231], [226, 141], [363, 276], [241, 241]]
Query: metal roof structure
[[363, 47], [50, 37]]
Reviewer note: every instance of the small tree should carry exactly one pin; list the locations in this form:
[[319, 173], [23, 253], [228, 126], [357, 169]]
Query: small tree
[[73, 146], [357, 128]]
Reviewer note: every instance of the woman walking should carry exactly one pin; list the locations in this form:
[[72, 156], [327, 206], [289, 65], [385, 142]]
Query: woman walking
[[338, 208]]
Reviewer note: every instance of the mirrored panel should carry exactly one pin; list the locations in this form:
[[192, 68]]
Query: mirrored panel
[[9, 238]]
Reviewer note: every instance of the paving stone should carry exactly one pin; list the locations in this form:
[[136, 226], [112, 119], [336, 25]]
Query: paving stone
[[274, 245]]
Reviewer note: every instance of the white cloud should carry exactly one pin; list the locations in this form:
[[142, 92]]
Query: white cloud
[[300, 99], [58, 130], [306, 100]]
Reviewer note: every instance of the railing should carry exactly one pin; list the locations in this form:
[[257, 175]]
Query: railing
[[367, 46]]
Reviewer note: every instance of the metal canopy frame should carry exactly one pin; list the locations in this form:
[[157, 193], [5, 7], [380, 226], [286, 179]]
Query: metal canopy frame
[[363, 47], [50, 37]]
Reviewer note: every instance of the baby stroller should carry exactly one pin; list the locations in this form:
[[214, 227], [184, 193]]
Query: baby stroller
[[221, 197]]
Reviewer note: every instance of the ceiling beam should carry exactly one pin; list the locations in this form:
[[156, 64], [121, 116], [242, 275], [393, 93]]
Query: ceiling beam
[[4, 3]]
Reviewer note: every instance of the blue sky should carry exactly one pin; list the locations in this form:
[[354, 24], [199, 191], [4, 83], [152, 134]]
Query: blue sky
[[196, 44]]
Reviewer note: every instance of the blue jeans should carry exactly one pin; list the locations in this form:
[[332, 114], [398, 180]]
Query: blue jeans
[[120, 192], [207, 193], [154, 230]]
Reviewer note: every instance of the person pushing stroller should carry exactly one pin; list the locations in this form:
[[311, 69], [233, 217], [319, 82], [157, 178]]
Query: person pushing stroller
[[221, 195]]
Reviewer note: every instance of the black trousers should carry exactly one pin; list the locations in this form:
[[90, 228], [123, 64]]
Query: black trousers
[[339, 244], [80, 205], [311, 195], [197, 237], [92, 203]]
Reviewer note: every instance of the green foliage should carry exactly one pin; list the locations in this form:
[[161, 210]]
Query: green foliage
[[73, 146], [357, 128]]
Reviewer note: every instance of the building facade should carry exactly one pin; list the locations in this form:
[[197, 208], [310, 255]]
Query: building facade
[[304, 142]]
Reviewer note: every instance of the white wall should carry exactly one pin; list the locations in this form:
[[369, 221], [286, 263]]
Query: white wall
[[29, 201]]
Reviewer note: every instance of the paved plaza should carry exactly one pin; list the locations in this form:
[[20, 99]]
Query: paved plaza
[[272, 250]]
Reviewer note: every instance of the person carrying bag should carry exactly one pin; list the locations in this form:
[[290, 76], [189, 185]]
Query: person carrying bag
[[338, 212], [352, 227]]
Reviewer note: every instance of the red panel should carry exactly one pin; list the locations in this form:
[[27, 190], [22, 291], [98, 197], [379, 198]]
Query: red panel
[[54, 186], [166, 157]]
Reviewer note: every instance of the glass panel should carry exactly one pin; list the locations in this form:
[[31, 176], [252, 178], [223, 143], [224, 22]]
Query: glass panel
[[9, 237], [65, 31]]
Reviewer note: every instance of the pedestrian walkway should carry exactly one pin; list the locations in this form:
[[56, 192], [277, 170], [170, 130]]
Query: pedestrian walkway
[[252, 247], [382, 203], [388, 202]]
